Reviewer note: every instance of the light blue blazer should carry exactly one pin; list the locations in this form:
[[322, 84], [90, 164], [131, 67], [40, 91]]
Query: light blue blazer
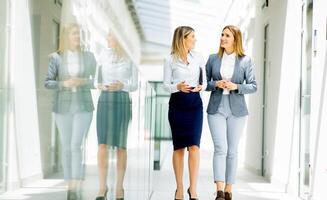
[[243, 76], [58, 72]]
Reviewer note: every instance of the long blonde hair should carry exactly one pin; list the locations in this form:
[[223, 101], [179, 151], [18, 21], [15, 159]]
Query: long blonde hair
[[64, 34], [178, 48], [238, 43]]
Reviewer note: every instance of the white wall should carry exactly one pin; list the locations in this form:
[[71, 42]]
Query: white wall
[[318, 103], [282, 90], [251, 25], [287, 95]]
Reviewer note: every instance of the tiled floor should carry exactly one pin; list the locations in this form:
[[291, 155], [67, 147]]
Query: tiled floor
[[248, 187]]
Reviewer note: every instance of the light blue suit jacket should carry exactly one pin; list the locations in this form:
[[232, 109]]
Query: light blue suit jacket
[[58, 72], [243, 76]]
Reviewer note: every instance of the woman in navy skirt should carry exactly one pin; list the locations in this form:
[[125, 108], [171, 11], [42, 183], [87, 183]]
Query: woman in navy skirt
[[116, 77], [183, 77]]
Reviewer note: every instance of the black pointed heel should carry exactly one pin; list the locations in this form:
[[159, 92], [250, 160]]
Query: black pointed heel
[[175, 195], [189, 194], [104, 197]]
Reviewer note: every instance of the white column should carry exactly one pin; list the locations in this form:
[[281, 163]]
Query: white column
[[24, 146], [319, 103], [319, 161]]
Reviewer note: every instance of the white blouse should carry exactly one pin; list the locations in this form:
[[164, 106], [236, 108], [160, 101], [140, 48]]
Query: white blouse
[[113, 69], [227, 68], [176, 71], [73, 63]]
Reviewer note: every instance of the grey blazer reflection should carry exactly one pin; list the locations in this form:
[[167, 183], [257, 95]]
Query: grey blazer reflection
[[70, 75]]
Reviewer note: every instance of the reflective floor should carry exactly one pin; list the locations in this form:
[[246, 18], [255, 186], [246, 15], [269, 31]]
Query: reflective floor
[[249, 186]]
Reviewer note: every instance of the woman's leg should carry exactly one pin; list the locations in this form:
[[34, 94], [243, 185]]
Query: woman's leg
[[121, 169], [193, 164], [235, 126], [81, 125], [64, 124], [102, 168], [178, 164], [218, 129]]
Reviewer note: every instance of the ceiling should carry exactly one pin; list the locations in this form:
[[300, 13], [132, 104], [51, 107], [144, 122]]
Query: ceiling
[[156, 20]]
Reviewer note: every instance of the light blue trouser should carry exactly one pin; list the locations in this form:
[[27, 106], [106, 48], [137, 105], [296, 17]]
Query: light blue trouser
[[226, 131], [73, 129]]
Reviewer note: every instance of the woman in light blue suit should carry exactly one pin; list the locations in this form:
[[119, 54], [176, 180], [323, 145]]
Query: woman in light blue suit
[[70, 75], [230, 75]]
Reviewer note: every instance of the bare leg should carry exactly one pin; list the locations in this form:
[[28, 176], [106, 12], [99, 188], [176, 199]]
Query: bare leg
[[102, 168], [121, 169], [178, 164], [193, 164]]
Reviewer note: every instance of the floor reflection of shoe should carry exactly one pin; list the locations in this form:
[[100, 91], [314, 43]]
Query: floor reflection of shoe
[[101, 198], [72, 195], [122, 197]]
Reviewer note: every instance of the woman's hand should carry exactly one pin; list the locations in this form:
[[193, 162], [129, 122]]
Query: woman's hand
[[230, 85], [102, 87], [115, 86], [197, 88], [73, 82], [182, 86], [221, 84]]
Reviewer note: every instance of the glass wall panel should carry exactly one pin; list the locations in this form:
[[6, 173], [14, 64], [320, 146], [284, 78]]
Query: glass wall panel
[[96, 113], [3, 91]]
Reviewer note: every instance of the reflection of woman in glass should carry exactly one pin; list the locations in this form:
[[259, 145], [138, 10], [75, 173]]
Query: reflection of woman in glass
[[70, 74], [116, 77]]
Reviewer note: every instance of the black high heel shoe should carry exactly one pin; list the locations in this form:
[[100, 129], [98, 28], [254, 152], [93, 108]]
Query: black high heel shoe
[[104, 197], [228, 196], [220, 195], [189, 194], [175, 195]]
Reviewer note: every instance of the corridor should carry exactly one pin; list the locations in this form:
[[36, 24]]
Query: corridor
[[84, 99]]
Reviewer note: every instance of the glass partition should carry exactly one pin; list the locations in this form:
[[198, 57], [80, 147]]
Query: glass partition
[[305, 167], [96, 113], [3, 91]]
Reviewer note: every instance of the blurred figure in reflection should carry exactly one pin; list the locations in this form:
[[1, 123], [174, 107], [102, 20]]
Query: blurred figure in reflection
[[116, 77], [71, 74]]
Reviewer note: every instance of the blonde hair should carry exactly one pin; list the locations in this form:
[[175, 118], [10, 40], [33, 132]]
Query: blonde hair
[[178, 49], [118, 49], [238, 44], [64, 40]]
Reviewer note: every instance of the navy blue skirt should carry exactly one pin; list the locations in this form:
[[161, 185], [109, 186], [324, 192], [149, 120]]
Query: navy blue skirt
[[185, 117]]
